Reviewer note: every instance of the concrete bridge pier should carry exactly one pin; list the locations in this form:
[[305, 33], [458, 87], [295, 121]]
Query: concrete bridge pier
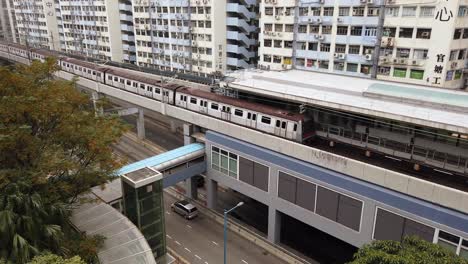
[[141, 124], [191, 183]]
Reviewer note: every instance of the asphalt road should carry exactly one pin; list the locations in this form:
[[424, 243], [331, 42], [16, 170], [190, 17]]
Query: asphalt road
[[199, 240]]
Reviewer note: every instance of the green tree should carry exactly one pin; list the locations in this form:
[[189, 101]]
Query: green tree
[[52, 148], [54, 259], [411, 250]]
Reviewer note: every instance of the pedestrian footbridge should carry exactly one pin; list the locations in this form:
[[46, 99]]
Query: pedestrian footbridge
[[175, 165]]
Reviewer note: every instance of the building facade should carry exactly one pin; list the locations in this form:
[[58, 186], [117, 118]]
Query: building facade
[[370, 39]]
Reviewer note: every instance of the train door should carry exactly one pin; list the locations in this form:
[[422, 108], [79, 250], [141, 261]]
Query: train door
[[183, 100], [252, 120], [203, 106], [165, 96], [280, 128], [226, 112]]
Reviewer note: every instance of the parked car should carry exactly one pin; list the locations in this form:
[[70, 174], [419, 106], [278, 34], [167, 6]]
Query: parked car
[[185, 209]]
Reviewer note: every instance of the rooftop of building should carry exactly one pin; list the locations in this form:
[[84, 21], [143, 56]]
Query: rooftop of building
[[431, 107]]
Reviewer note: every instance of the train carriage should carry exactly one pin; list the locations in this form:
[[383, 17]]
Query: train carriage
[[83, 69], [265, 118]]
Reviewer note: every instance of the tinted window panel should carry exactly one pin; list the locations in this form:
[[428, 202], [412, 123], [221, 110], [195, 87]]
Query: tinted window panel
[[246, 170], [413, 228], [305, 196], [327, 203], [261, 176], [287, 187], [349, 212], [388, 226]]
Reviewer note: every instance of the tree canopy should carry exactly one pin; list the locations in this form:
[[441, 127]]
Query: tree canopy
[[54, 259], [53, 147], [411, 250]]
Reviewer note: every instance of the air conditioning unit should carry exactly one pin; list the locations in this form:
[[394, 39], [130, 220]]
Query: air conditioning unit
[[383, 60], [208, 17], [341, 64], [370, 2], [425, 34], [194, 43], [319, 21], [402, 61], [336, 55], [341, 56], [321, 37], [316, 36], [368, 57], [310, 20], [277, 17], [280, 35], [339, 20], [414, 62]]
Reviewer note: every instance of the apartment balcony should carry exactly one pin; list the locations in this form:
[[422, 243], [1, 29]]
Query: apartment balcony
[[128, 37], [126, 17], [312, 54], [128, 48]]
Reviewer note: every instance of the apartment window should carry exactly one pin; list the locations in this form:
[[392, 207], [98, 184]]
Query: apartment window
[[276, 59], [458, 33], [426, 11], [461, 54], [423, 33], [340, 48], [325, 47], [399, 72], [358, 11], [409, 11], [268, 27], [373, 11], [302, 45], [463, 11], [354, 49], [453, 55], [289, 28], [328, 11], [420, 54], [417, 74], [267, 58], [302, 29], [383, 70], [267, 43], [356, 30], [402, 53], [366, 69], [304, 11], [314, 29], [277, 43], [351, 67], [389, 32], [343, 11], [300, 62], [313, 46], [370, 32], [254, 173], [269, 11], [342, 30], [392, 11], [338, 66], [278, 27], [324, 64], [406, 32], [326, 29], [315, 11], [465, 33]]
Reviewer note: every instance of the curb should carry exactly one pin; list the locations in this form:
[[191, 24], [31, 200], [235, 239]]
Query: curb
[[178, 258]]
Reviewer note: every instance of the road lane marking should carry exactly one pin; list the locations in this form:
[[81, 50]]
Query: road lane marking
[[189, 226], [167, 212], [245, 262], [188, 250], [177, 242], [197, 257], [215, 243], [168, 236], [206, 262]]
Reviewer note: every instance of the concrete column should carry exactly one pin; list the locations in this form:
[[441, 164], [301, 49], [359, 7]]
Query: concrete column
[[191, 188], [211, 193], [274, 225], [141, 123], [188, 130], [173, 126], [97, 109]]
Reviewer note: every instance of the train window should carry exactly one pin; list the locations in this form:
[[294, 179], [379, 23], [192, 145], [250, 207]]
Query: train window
[[149, 88], [129, 82], [98, 75], [201, 102], [295, 128], [109, 78], [142, 86], [94, 73], [278, 123], [122, 80], [238, 112], [283, 125], [254, 117], [165, 93], [135, 84], [214, 106], [266, 120], [205, 104], [249, 115], [193, 100], [157, 90], [116, 79]]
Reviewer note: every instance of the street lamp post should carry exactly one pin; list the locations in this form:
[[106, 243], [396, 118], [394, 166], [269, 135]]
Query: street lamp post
[[226, 212]]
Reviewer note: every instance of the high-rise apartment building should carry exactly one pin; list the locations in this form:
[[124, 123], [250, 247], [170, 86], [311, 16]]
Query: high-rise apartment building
[[8, 28], [421, 43], [202, 36], [36, 21]]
